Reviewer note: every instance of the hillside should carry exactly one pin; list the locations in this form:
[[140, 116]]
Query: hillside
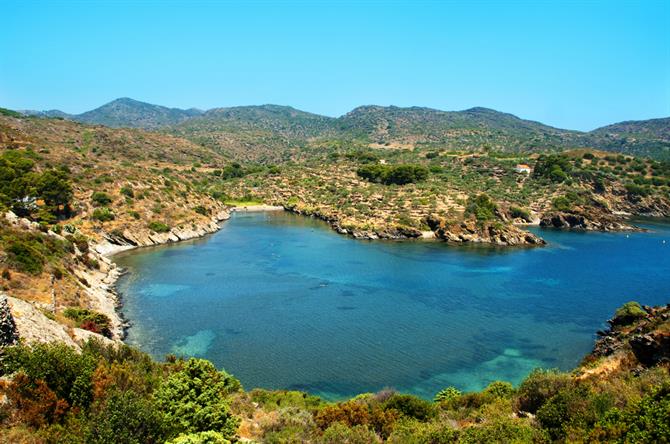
[[125, 112], [266, 133], [273, 133], [642, 137]]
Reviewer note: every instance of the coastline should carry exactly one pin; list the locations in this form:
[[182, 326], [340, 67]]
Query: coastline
[[106, 291]]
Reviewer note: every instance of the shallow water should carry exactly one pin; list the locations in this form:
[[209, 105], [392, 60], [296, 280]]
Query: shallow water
[[281, 301]]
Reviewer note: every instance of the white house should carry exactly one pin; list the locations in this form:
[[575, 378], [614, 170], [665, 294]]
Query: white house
[[522, 168]]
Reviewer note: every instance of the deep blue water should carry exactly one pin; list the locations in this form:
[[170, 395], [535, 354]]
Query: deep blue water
[[281, 301]]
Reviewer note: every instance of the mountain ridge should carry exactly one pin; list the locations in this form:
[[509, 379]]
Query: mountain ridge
[[272, 128]]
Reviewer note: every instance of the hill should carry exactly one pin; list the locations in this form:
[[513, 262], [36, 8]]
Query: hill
[[639, 137], [273, 133], [266, 133], [125, 112]]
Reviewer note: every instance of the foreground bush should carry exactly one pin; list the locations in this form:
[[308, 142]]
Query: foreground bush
[[194, 399]]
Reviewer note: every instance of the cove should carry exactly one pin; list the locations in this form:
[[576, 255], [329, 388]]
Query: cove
[[283, 302]]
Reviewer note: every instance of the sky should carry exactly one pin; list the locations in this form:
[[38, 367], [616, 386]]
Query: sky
[[570, 64]]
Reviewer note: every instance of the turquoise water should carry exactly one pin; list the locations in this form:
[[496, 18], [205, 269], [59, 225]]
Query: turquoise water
[[281, 301]]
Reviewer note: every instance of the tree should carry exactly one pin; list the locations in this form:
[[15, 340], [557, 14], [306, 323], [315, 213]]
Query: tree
[[194, 399]]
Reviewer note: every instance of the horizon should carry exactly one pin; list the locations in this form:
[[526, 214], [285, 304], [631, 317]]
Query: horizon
[[578, 66]]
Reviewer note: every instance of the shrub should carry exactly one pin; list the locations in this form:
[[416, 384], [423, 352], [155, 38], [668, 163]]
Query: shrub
[[101, 199], [628, 313], [102, 214], [500, 389], [208, 437], [520, 213], [194, 399], [554, 167], [35, 403], [201, 210], [447, 394], [127, 191], [126, 418], [637, 190], [645, 421], [65, 371], [393, 174], [410, 406], [158, 227], [23, 256], [339, 433], [539, 387], [482, 207], [350, 413], [415, 432], [89, 320]]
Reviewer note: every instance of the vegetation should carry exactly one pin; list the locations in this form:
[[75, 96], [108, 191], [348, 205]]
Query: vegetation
[[482, 207], [42, 195], [89, 320], [393, 174], [116, 394], [158, 227]]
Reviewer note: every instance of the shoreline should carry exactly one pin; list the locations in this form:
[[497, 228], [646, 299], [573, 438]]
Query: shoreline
[[106, 289], [107, 250]]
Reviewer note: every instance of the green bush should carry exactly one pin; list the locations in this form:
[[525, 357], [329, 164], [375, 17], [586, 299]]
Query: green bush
[[628, 313], [127, 191], [410, 406], [447, 394], [539, 387], [637, 190], [500, 389], [103, 214], [101, 199], [127, 418], [65, 371], [482, 207], [24, 257], [554, 167], [644, 421], [158, 227], [201, 210], [393, 174], [339, 433], [89, 320], [194, 399], [520, 213], [209, 437]]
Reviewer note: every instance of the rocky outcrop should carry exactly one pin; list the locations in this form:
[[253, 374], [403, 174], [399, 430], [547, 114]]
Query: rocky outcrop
[[589, 221], [651, 349], [646, 336], [471, 231], [391, 232], [33, 326], [8, 332], [127, 239]]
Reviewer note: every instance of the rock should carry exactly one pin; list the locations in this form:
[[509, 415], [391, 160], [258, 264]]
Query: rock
[[9, 335], [470, 231], [586, 219], [33, 326], [651, 349]]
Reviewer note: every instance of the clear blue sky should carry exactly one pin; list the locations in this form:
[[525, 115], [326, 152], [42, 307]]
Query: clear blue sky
[[569, 64]]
